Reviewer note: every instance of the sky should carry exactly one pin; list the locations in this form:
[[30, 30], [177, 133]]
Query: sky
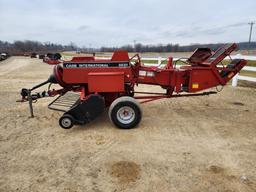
[[96, 23]]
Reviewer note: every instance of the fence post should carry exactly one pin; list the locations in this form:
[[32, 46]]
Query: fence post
[[235, 80], [159, 60]]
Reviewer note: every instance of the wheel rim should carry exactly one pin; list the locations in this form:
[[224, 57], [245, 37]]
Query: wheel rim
[[125, 115], [66, 122]]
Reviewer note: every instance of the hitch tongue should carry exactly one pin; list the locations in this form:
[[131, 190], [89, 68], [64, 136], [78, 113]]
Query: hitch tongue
[[26, 96], [30, 103]]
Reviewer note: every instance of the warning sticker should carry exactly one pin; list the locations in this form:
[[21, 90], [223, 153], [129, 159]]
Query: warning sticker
[[195, 86]]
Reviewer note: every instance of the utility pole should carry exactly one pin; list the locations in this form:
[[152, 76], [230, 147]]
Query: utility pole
[[90, 47], [250, 35], [134, 45]]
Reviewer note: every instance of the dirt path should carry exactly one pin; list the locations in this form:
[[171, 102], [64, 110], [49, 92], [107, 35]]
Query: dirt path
[[12, 64], [185, 144]]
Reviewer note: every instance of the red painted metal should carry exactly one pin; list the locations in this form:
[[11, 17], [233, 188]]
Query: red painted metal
[[120, 55], [117, 76], [81, 59], [101, 81], [106, 82], [51, 61]]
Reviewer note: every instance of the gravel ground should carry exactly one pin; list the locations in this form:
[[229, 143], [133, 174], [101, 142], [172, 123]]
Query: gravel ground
[[182, 144]]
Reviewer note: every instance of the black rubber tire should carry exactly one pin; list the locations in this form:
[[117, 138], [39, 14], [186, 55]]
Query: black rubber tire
[[122, 102], [69, 119]]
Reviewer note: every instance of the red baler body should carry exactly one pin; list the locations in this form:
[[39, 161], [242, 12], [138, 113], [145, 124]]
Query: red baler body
[[112, 75], [111, 82]]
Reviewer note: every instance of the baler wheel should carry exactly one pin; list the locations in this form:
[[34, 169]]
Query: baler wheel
[[66, 121], [125, 112]]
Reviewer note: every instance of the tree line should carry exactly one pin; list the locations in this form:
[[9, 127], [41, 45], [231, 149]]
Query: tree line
[[22, 47], [174, 47]]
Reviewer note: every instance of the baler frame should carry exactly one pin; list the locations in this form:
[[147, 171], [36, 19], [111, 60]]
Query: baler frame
[[110, 83]]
